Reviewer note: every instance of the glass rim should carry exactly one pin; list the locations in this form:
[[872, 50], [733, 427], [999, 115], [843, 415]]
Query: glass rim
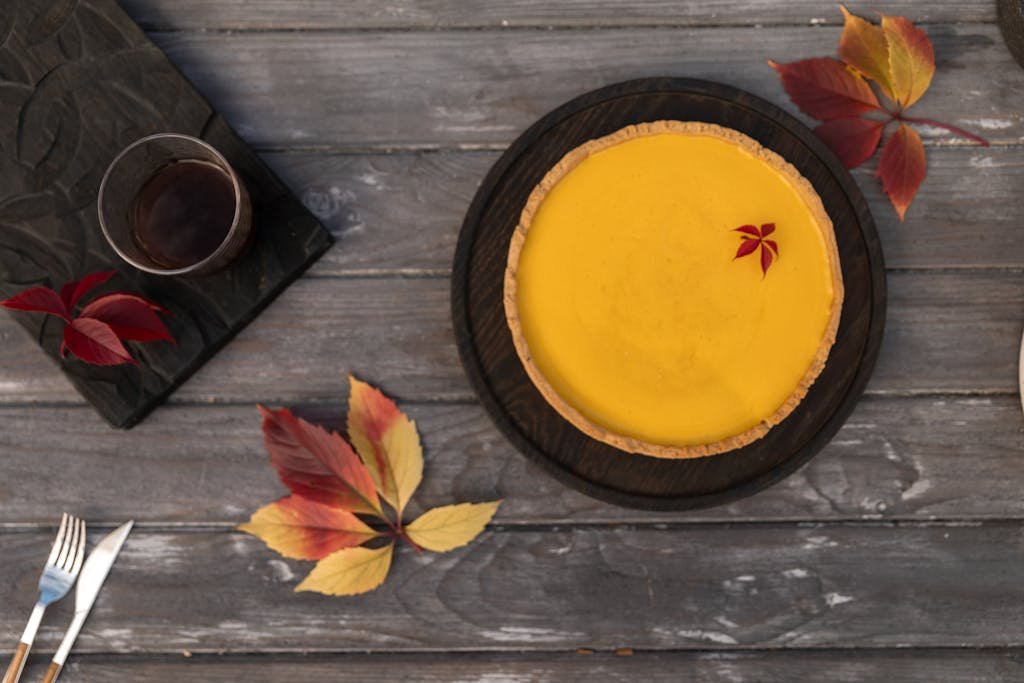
[[223, 165]]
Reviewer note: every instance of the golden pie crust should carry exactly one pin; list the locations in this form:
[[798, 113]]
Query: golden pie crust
[[565, 166]]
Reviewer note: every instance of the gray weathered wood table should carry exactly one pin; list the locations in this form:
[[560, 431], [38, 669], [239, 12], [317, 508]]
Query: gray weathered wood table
[[897, 554]]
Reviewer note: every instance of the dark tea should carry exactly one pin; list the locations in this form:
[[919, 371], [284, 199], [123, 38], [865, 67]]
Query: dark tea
[[183, 213]]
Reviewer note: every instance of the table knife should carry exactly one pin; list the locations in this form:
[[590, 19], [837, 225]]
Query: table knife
[[94, 573]]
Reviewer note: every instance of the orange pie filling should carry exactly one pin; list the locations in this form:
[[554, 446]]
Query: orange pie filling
[[642, 302]]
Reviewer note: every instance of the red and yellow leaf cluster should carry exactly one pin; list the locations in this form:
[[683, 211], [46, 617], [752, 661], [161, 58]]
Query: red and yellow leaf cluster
[[97, 334], [898, 57], [337, 486]]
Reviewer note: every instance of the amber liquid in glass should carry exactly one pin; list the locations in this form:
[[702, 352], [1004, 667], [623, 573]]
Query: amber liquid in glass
[[183, 213]]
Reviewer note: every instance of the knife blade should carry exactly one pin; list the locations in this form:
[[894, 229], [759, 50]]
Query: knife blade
[[94, 573]]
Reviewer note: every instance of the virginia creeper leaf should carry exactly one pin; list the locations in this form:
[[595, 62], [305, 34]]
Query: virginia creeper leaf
[[131, 317], [317, 464], [94, 342], [911, 59], [350, 571], [747, 246], [387, 442], [766, 259], [303, 529], [72, 292], [853, 140], [37, 300], [902, 167], [825, 88], [451, 526], [863, 46]]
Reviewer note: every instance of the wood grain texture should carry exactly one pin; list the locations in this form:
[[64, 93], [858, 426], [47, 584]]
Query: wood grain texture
[[897, 459], [472, 88], [400, 213], [434, 14], [947, 332], [843, 666], [757, 586]]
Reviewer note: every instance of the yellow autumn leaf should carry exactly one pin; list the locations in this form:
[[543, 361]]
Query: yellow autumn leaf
[[387, 441], [303, 529], [350, 571], [911, 59], [451, 526], [862, 45]]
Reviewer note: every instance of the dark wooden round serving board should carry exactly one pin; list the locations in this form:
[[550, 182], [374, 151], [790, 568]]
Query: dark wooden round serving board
[[1011, 22], [520, 411]]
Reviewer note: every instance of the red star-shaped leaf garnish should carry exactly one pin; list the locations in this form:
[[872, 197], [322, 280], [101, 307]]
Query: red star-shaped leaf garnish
[[753, 238]]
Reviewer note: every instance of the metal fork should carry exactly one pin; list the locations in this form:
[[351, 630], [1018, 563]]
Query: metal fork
[[58, 576]]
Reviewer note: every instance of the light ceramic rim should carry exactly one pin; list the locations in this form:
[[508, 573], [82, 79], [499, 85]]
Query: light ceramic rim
[[225, 166]]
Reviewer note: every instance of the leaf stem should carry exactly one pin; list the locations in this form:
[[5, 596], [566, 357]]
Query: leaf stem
[[945, 126], [398, 533]]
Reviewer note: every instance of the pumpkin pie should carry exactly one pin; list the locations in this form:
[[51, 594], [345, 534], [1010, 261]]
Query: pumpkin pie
[[673, 289]]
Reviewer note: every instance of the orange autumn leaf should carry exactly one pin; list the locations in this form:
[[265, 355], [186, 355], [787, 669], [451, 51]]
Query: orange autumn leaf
[[317, 464], [902, 167], [911, 59], [451, 526], [863, 46], [387, 442], [350, 571], [302, 529]]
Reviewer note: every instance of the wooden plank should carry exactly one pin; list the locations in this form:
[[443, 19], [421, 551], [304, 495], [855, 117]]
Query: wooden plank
[[704, 587], [843, 666], [948, 332], [434, 14], [907, 459], [402, 212], [471, 88]]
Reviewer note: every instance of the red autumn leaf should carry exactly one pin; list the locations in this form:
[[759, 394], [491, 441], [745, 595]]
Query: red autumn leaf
[[853, 140], [37, 300], [747, 246], [825, 88], [902, 167], [302, 529], [911, 59], [131, 317], [72, 292], [863, 46], [317, 464], [766, 260], [94, 342]]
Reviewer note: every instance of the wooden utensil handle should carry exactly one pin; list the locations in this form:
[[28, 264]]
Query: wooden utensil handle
[[51, 673], [17, 664]]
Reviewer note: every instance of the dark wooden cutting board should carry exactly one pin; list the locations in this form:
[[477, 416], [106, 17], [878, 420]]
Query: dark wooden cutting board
[[78, 82], [601, 470]]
